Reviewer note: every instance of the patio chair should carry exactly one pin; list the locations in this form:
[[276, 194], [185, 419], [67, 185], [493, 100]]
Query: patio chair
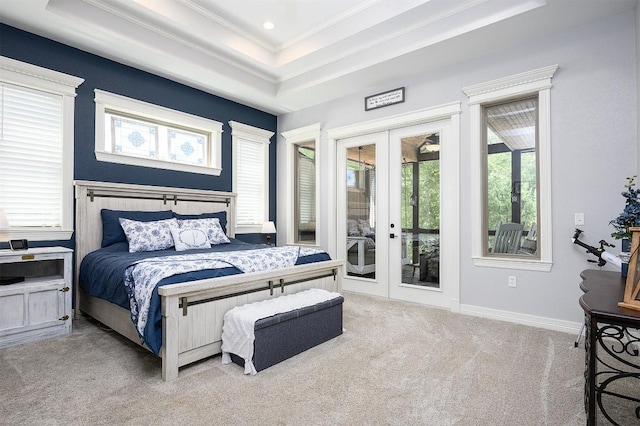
[[508, 238]]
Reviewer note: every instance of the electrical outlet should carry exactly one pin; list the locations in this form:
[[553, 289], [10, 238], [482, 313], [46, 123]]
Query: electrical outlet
[[579, 219], [512, 281]]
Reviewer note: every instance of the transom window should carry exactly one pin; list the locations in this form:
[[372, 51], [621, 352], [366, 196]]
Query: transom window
[[134, 132], [137, 137]]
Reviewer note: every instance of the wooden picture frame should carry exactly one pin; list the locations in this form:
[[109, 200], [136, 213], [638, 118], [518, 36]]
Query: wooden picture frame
[[632, 286]]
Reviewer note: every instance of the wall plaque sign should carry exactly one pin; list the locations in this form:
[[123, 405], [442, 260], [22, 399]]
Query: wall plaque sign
[[384, 99]]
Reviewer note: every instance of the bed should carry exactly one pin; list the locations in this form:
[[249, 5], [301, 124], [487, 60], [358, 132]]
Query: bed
[[190, 311]]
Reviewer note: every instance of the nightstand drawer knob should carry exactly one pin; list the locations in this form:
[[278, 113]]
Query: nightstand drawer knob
[[64, 318], [65, 289]]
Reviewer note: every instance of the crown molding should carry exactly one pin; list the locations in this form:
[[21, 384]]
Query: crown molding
[[541, 76]]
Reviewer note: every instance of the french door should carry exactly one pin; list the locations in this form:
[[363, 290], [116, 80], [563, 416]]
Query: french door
[[393, 198]]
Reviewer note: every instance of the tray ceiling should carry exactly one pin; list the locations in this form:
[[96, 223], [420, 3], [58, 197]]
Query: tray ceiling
[[319, 50]]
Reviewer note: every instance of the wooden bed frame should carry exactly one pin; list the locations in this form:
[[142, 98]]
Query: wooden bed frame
[[192, 312]]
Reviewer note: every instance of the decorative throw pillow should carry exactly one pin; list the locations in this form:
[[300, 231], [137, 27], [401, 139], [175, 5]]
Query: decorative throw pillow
[[210, 226], [222, 216], [189, 238], [112, 231], [148, 236]]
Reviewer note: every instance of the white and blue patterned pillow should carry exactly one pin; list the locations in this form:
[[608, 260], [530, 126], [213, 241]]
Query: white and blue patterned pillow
[[189, 238], [148, 236], [211, 226]]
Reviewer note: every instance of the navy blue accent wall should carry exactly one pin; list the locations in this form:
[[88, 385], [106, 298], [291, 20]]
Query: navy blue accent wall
[[104, 74]]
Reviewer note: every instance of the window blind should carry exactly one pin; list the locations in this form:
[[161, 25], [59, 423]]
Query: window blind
[[251, 182], [306, 189], [31, 156]]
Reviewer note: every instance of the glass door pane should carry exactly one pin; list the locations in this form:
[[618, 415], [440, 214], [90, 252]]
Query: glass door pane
[[361, 211], [420, 210]]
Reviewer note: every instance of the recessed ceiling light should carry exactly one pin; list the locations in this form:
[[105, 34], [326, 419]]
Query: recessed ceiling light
[[268, 25]]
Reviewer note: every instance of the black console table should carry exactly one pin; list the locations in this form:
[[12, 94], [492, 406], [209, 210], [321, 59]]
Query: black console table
[[612, 361]]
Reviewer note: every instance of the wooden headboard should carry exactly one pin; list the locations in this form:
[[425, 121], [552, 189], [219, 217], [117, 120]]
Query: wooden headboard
[[92, 197]]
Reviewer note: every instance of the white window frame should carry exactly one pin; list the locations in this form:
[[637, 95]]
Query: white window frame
[[292, 139], [46, 80], [128, 106], [536, 82], [239, 132]]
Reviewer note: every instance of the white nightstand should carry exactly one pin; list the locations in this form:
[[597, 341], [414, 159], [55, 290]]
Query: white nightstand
[[40, 306]]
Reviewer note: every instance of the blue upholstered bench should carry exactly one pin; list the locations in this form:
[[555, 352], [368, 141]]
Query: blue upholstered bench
[[284, 335]]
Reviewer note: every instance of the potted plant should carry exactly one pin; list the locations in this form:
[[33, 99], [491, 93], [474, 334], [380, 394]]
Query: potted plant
[[629, 217]]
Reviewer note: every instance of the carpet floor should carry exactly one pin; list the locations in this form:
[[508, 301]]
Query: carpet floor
[[395, 364]]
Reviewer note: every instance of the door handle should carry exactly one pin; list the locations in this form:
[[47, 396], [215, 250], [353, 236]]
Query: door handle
[[392, 235]]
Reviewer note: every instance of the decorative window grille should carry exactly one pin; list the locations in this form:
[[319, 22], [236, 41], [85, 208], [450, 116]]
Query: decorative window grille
[[137, 133]]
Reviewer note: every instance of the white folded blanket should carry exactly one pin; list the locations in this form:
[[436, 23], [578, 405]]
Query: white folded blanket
[[238, 330]]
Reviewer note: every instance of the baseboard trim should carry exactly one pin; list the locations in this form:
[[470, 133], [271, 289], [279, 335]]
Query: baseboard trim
[[524, 319], [455, 306]]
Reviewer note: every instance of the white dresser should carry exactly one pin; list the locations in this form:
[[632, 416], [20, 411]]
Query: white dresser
[[40, 306]]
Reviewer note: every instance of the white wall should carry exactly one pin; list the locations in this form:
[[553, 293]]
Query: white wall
[[593, 130]]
